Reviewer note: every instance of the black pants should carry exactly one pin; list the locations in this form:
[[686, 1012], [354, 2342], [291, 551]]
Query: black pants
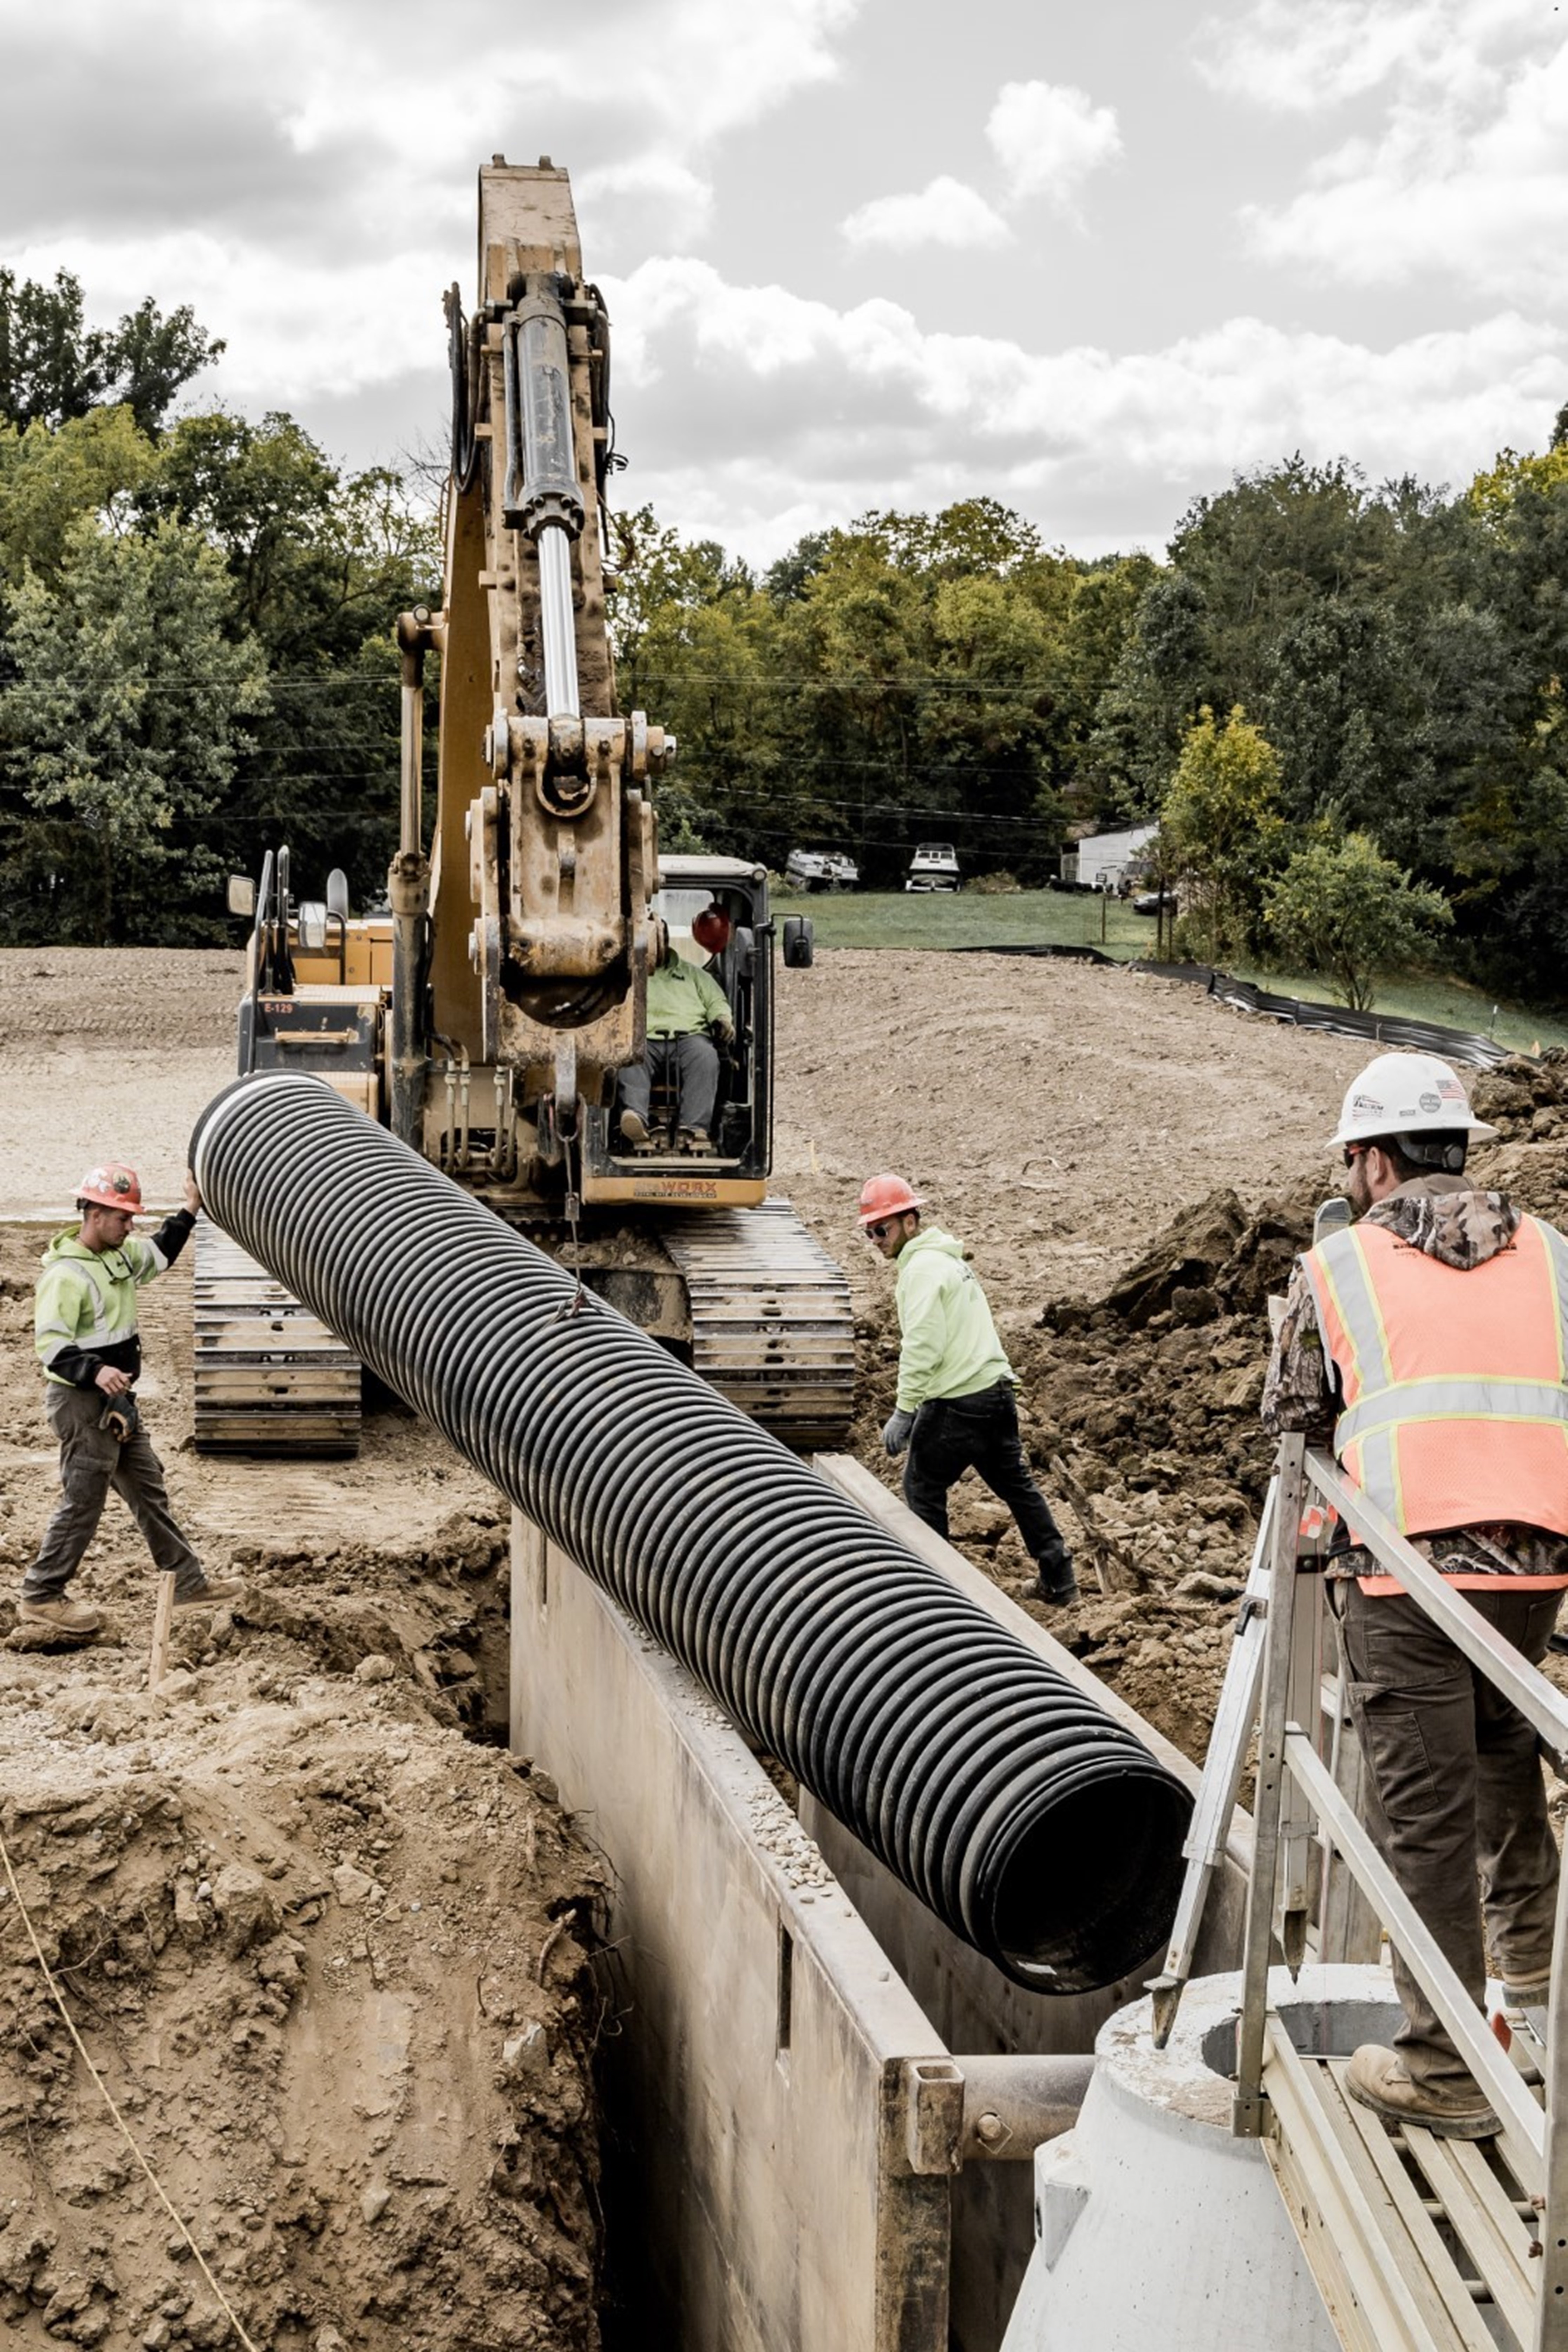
[[1457, 1804], [952, 1435]]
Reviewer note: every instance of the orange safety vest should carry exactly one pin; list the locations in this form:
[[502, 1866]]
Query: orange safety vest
[[1456, 1413]]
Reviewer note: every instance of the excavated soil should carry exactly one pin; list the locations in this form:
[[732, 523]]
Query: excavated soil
[[329, 1948], [329, 1952]]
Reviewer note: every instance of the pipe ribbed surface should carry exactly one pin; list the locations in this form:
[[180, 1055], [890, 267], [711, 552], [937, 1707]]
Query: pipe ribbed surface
[[1031, 1822]]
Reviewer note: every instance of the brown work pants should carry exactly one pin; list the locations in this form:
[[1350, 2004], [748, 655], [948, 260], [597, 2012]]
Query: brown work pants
[[1456, 1801], [93, 1461]]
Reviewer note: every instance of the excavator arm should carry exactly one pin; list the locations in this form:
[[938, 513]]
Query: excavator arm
[[524, 935], [490, 1027]]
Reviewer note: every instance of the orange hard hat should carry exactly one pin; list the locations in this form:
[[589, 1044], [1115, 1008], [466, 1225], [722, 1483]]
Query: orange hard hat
[[112, 1186], [710, 929], [886, 1196]]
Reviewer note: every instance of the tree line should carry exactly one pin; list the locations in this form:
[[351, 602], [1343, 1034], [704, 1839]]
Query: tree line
[[1341, 702], [197, 659]]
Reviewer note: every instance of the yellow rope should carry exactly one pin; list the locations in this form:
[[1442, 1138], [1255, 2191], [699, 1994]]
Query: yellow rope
[[108, 2102]]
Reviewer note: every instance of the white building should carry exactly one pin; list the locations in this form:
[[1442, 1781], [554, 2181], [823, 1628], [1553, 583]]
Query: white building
[[1104, 860]]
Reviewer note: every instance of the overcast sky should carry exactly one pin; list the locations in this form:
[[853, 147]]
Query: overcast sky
[[1087, 259]]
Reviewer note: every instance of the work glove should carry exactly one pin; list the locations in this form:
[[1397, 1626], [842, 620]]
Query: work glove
[[724, 1033], [895, 1434], [119, 1416]]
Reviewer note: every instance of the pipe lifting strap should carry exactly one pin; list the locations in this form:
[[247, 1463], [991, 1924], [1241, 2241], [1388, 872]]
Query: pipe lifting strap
[[1036, 1826]]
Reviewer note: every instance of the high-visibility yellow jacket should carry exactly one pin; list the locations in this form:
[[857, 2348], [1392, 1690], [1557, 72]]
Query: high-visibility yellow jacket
[[1456, 1412], [950, 1346], [683, 999], [84, 1310]]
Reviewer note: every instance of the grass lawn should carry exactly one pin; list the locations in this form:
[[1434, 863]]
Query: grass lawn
[[969, 918]]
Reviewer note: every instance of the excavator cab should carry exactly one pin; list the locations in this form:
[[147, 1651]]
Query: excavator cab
[[735, 1168]]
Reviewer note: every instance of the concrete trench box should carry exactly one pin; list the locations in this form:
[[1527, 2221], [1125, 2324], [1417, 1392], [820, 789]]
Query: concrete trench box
[[790, 2166]]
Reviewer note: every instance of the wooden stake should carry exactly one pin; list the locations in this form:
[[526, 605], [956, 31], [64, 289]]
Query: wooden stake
[[162, 1618]]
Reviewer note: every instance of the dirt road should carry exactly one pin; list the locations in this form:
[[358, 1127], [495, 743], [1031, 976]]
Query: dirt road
[[1063, 1112]]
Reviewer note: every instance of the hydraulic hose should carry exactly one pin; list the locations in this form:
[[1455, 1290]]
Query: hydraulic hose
[[1031, 1822]]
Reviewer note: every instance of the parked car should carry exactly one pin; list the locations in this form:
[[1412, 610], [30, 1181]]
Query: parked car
[[1151, 902], [821, 869], [933, 867]]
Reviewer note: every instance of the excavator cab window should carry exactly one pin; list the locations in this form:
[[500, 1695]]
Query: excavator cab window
[[736, 1125]]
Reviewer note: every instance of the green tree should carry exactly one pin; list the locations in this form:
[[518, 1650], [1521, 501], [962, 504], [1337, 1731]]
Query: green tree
[[54, 366], [1152, 696], [319, 564], [986, 728], [120, 730], [99, 464], [1493, 491], [1222, 832], [1341, 909], [974, 537]]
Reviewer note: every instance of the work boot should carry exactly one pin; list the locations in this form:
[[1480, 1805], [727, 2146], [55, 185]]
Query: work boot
[[1376, 2078], [1530, 1997], [61, 1616], [211, 1592], [634, 1128], [1056, 1583], [695, 1139]]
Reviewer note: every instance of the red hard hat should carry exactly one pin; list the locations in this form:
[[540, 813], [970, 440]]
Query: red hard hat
[[112, 1186], [710, 929], [886, 1196]]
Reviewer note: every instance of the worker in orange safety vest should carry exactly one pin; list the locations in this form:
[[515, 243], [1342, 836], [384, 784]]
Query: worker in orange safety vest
[[1426, 1343]]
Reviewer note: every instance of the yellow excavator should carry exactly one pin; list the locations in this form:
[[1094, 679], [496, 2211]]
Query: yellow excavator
[[486, 1015]]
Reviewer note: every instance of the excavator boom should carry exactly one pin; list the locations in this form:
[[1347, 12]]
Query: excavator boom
[[488, 1016]]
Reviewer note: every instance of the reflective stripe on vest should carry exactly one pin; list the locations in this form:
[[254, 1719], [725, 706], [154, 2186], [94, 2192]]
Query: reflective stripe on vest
[[1456, 1413]]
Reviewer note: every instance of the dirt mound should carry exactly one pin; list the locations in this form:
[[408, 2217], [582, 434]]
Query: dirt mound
[[331, 1956], [1147, 1396], [327, 1957]]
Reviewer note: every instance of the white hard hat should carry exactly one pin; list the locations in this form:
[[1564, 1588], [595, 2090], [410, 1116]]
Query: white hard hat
[[1406, 1094]]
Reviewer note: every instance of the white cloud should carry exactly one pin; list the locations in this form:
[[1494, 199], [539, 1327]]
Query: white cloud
[[945, 211], [1048, 137], [295, 329], [264, 109], [1297, 59], [682, 199], [733, 396], [1463, 178], [307, 184]]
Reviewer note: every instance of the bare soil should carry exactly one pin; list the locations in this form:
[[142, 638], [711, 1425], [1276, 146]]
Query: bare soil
[[329, 1950]]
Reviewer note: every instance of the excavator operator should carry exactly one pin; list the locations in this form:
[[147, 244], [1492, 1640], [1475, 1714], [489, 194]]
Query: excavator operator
[[689, 1019]]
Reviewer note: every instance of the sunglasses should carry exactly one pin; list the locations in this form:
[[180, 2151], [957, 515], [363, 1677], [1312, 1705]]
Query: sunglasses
[[880, 1233], [1353, 1151]]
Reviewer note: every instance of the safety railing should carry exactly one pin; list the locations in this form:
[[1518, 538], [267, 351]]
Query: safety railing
[[1295, 1788]]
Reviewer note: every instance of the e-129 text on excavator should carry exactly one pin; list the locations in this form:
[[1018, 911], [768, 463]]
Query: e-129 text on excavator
[[488, 1016]]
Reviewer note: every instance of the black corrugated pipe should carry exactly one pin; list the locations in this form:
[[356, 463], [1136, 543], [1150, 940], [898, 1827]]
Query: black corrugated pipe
[[1030, 1822]]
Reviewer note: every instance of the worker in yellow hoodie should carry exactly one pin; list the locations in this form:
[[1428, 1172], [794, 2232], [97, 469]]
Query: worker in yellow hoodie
[[956, 1409], [85, 1332]]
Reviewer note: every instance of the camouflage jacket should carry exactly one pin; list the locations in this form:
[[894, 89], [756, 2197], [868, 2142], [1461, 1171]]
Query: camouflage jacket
[[1447, 1219]]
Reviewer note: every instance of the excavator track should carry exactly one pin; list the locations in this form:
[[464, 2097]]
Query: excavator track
[[271, 1378], [771, 1326]]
